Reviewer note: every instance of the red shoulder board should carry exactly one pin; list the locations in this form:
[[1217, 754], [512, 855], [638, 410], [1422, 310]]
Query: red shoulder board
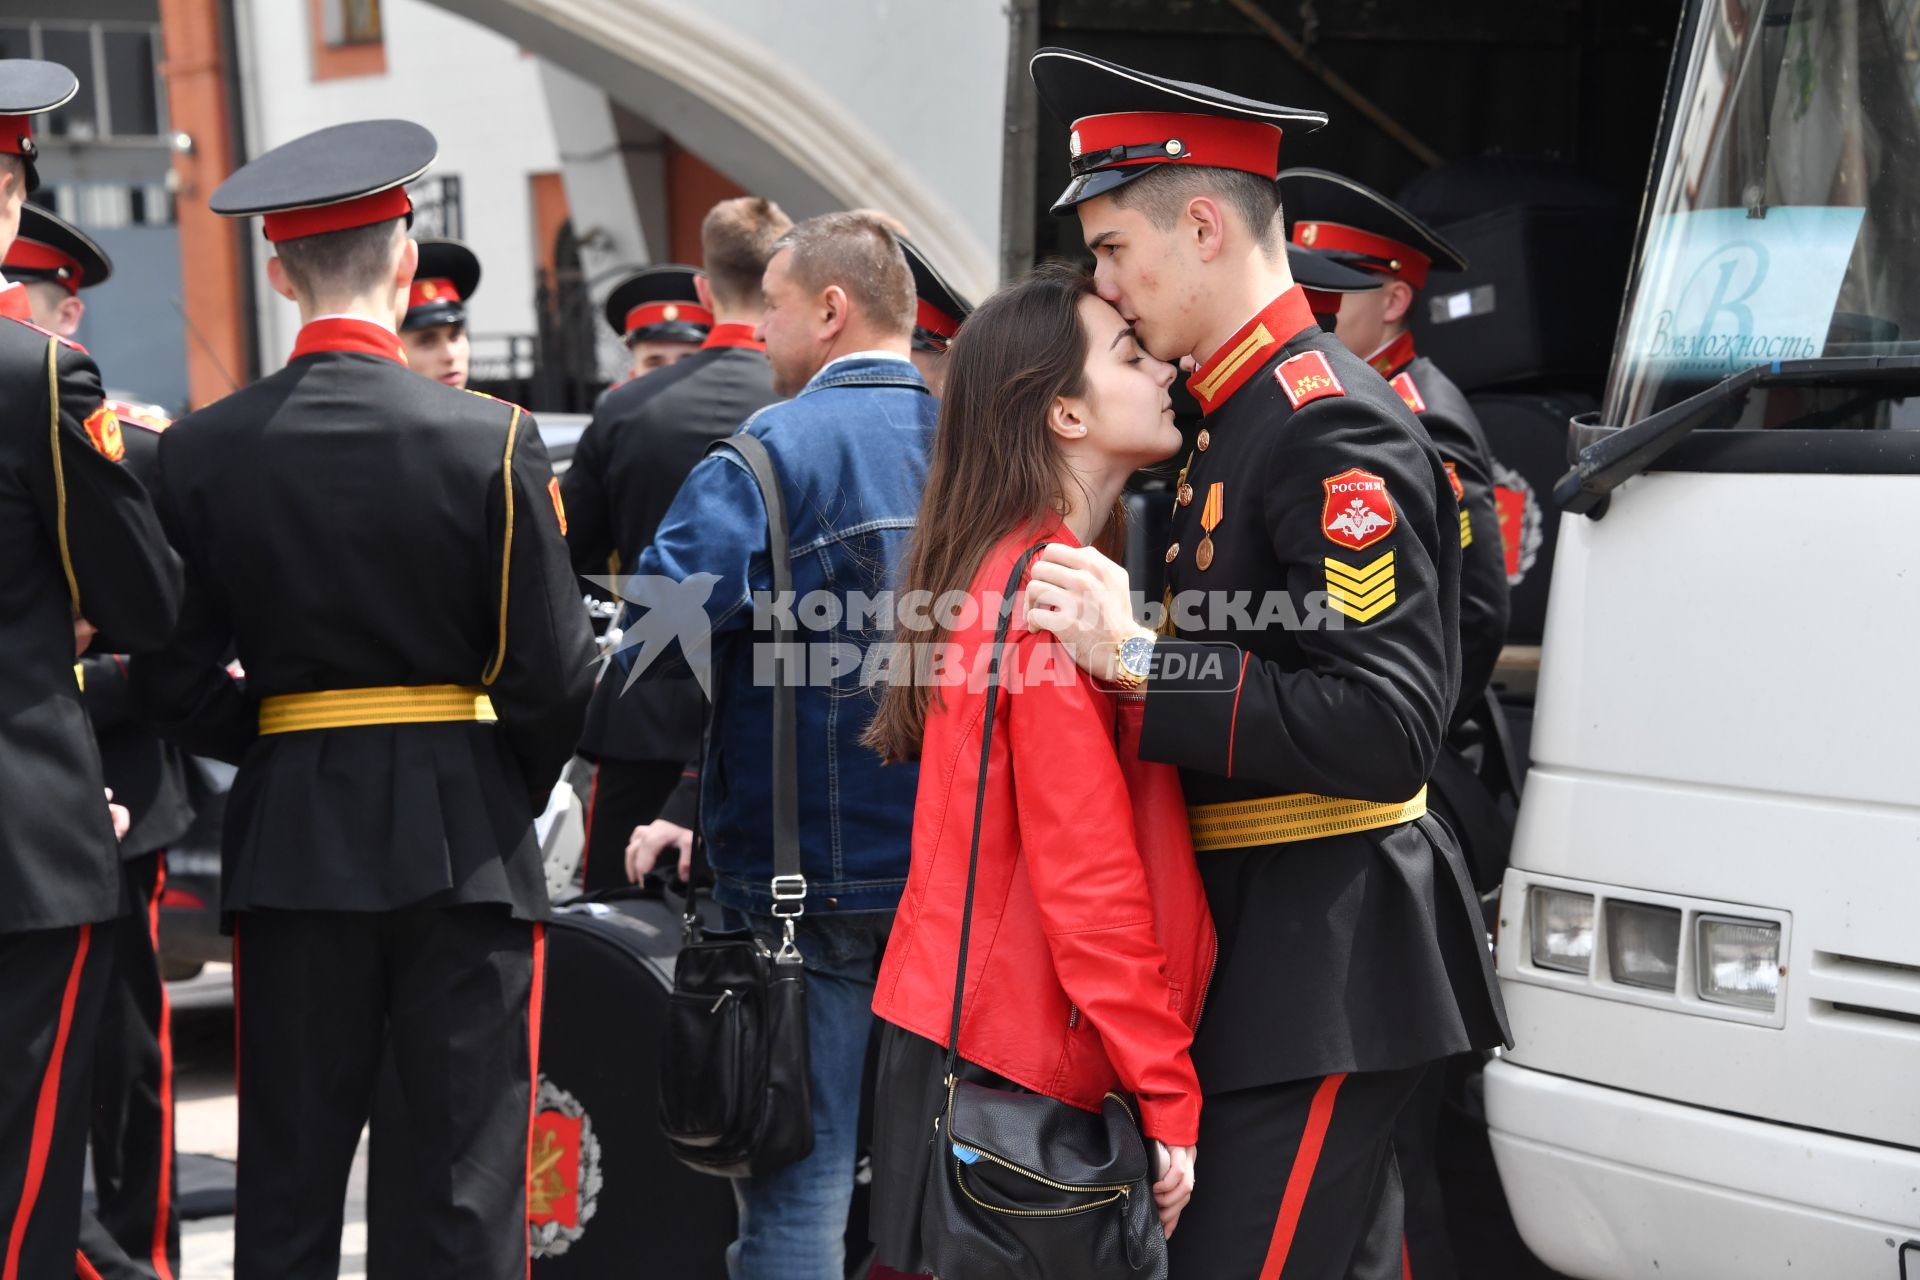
[[1453, 478], [559, 507], [1358, 512], [1403, 383], [103, 429], [1307, 377], [68, 343]]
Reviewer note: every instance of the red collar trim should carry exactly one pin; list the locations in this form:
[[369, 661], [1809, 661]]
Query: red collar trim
[[347, 333], [1393, 357], [1240, 357], [732, 335], [14, 304]]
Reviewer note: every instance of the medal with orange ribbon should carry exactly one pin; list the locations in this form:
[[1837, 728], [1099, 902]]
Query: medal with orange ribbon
[[1209, 521]]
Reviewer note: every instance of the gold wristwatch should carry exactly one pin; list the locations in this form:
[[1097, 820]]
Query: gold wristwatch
[[1133, 663]]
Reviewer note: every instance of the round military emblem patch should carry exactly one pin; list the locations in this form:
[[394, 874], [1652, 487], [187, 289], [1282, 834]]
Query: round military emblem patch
[[563, 1172]]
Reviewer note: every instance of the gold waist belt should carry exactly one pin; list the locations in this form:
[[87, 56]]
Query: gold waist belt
[[1246, 824], [396, 704]]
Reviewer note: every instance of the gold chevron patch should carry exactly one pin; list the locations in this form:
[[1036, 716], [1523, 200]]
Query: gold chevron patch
[[1361, 592], [1466, 530]]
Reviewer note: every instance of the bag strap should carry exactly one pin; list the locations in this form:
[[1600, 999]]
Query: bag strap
[[1007, 602], [788, 885]]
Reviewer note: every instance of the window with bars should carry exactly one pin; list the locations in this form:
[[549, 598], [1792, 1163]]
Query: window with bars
[[349, 22]]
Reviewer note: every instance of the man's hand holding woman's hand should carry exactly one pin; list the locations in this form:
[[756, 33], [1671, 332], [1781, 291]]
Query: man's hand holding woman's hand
[[1175, 1186]]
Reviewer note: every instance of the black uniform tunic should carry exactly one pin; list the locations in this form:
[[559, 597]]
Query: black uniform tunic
[[344, 521], [1443, 410], [1351, 952], [79, 537]]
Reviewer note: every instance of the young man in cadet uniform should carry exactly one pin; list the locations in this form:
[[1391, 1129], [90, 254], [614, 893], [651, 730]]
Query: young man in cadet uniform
[[83, 550], [661, 316], [133, 1160], [385, 555], [644, 438], [434, 329], [939, 311], [1351, 949], [1335, 214]]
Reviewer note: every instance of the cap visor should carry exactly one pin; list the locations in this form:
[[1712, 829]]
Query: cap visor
[[1098, 183]]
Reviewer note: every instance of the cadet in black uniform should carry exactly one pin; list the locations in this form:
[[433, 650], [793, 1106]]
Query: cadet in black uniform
[[939, 311], [386, 557], [1330, 213], [1351, 950], [133, 1163], [82, 542], [661, 315], [644, 438], [434, 329]]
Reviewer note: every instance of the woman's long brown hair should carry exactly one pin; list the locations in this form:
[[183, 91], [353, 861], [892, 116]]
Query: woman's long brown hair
[[995, 470]]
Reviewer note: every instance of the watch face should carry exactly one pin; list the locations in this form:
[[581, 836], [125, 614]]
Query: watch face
[[1136, 655]]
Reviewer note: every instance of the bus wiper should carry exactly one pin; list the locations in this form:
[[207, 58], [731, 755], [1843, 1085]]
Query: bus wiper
[[1604, 465]]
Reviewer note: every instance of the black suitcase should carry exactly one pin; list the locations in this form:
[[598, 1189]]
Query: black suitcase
[[606, 1199]]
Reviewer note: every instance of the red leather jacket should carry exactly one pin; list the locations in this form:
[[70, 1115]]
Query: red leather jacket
[[1092, 946]]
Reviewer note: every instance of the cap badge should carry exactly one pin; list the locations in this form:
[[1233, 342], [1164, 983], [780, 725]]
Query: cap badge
[[429, 291], [1309, 233], [672, 312], [1073, 144]]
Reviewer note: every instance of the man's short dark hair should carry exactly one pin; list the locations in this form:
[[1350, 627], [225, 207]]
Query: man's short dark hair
[[736, 239], [1163, 196], [355, 261], [859, 253]]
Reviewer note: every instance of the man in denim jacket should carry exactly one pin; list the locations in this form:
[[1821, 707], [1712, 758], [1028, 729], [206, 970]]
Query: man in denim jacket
[[851, 449]]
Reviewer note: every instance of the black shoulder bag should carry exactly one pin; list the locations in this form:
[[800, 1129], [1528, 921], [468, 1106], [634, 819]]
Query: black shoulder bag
[[1023, 1187], [734, 1093]]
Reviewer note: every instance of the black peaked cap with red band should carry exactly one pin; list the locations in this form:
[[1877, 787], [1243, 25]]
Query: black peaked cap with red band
[[1326, 211], [938, 306], [1126, 123], [30, 87], [51, 249], [659, 304], [333, 179], [1324, 277], [447, 276]]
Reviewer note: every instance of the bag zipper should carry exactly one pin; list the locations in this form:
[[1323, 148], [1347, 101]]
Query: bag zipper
[[1119, 1193]]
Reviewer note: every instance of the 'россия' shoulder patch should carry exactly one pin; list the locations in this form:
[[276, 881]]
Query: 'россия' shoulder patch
[[1307, 377], [1358, 512], [1403, 383], [103, 430]]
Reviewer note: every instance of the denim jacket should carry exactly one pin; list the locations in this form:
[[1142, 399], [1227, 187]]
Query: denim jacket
[[851, 451]]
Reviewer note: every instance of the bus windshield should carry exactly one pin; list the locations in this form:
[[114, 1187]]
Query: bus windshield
[[1784, 221]]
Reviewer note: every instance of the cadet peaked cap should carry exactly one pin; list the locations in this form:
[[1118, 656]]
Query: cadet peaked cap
[[1126, 123], [1326, 276], [51, 249], [659, 304], [333, 179], [1328, 211], [447, 276], [30, 87], [939, 306]]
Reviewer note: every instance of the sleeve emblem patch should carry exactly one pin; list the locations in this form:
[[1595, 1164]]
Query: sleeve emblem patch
[[559, 507], [1453, 478], [1403, 383], [1358, 512], [1361, 591], [103, 429], [1308, 377]]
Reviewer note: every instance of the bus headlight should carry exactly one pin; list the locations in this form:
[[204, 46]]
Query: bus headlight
[[1562, 927], [1643, 944], [1739, 962]]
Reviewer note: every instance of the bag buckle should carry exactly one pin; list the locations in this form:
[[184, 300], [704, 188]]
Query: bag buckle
[[789, 895]]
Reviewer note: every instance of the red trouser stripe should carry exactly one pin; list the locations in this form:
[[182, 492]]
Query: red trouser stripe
[[533, 1058], [163, 1203], [46, 1109], [1233, 723], [82, 1269], [1406, 1261], [1294, 1199]]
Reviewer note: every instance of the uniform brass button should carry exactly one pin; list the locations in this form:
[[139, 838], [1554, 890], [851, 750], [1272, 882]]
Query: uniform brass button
[[1186, 494], [1173, 553], [1204, 440]]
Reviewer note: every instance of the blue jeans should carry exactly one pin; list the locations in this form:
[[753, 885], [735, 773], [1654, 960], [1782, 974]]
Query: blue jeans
[[793, 1223]]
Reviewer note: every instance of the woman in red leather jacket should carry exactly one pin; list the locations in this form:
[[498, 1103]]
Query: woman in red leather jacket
[[1091, 946]]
